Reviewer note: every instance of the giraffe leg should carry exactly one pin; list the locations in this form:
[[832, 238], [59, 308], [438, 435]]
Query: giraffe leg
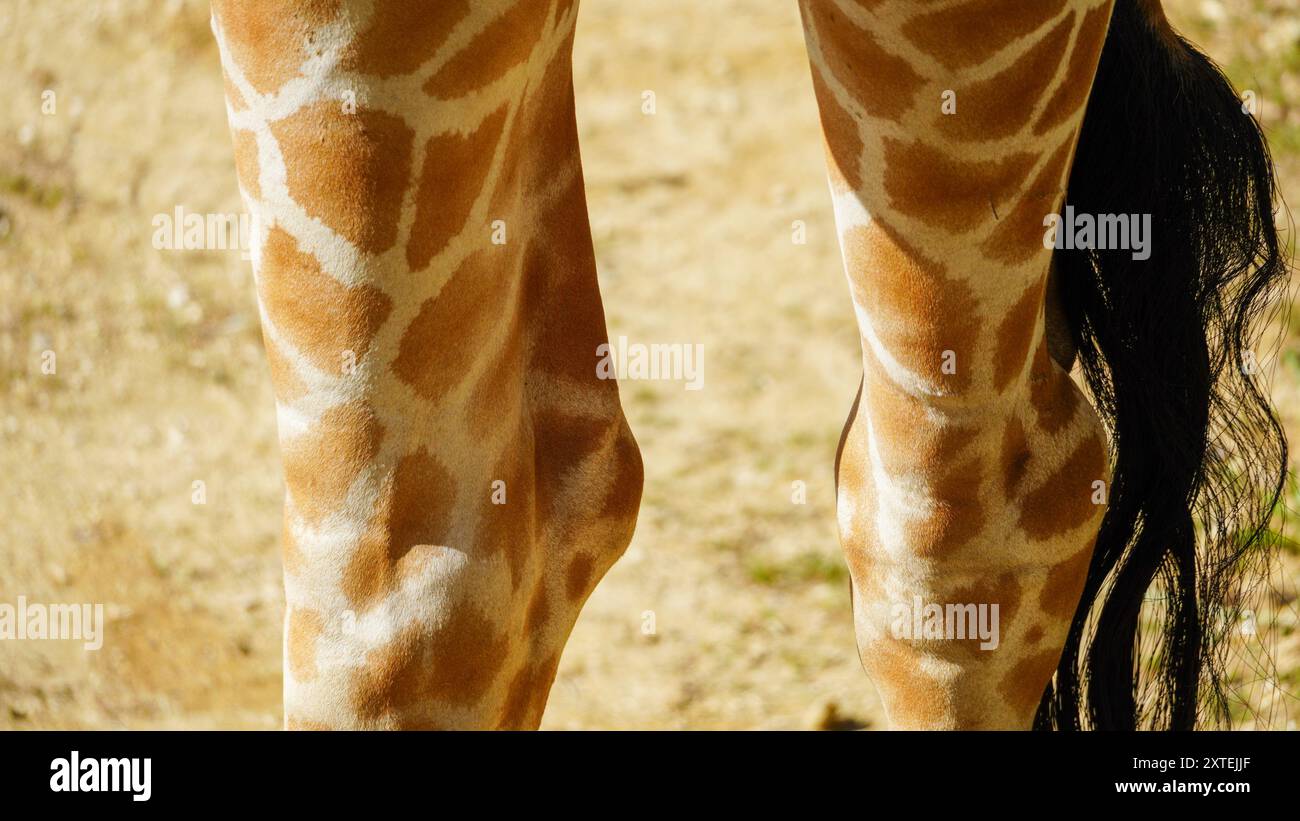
[[971, 473], [458, 477]]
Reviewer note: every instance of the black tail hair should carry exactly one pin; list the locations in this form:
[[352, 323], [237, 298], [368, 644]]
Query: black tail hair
[[1165, 346]]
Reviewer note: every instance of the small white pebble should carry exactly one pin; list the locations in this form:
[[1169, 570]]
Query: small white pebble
[[178, 296]]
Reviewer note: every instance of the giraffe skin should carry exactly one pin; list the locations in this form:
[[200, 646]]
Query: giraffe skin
[[427, 289], [415, 363], [967, 466]]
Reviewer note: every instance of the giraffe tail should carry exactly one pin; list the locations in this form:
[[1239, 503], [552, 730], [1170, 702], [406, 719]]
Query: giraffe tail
[[1166, 346]]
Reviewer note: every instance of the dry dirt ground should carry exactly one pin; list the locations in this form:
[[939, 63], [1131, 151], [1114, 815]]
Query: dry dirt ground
[[160, 380]]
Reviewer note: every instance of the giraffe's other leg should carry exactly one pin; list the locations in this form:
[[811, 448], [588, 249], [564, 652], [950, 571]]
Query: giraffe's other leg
[[971, 471], [458, 476]]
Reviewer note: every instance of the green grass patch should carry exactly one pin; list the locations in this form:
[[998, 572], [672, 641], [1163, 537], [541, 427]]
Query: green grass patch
[[809, 567]]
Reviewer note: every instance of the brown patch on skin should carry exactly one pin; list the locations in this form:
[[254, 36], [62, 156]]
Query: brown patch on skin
[[843, 140], [454, 664], [314, 312], [997, 107], [1023, 685], [437, 349], [560, 317], [1064, 500], [350, 171], [410, 524], [455, 170], [291, 552], [906, 438], [285, 383], [577, 579], [910, 442], [551, 110], [1015, 457], [852, 478], [864, 584], [879, 81], [847, 439], [1019, 236], [928, 184], [268, 39], [1004, 591], [543, 145], [917, 311], [1064, 586], [937, 317], [1052, 394], [562, 297], [321, 464], [246, 164], [539, 611], [527, 694], [305, 627], [559, 307], [234, 96], [912, 699], [1015, 332], [861, 546], [501, 385], [623, 499], [969, 34], [403, 35], [958, 516], [1033, 635], [518, 165], [562, 442], [509, 528], [1072, 92], [505, 43]]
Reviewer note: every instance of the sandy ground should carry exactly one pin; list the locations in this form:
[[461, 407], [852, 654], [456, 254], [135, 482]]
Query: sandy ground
[[160, 380]]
